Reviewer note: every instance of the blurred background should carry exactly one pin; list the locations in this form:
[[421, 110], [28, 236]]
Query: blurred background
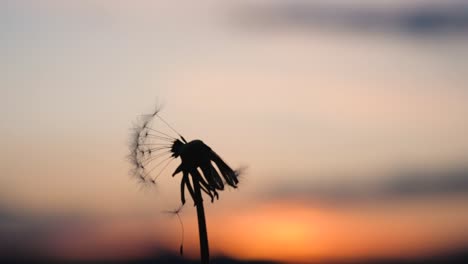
[[351, 117]]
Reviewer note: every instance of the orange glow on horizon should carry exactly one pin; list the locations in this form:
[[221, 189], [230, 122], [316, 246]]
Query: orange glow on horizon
[[281, 231], [287, 231], [291, 231]]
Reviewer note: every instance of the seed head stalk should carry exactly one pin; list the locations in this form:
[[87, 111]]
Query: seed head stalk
[[203, 234]]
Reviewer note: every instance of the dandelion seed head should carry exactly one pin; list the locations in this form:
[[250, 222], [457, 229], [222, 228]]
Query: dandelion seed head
[[155, 144], [132, 159], [157, 109], [134, 139], [136, 174], [141, 177], [146, 185], [151, 140]]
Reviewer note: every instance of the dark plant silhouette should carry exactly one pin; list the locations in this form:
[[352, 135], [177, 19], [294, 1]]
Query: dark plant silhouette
[[202, 169]]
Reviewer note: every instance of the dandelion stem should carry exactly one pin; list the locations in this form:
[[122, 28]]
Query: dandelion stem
[[159, 137], [148, 160], [162, 119], [157, 165], [155, 150], [156, 144], [165, 166], [203, 234], [157, 131]]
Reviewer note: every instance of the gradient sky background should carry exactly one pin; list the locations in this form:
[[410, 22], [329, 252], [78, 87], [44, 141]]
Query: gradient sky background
[[351, 117]]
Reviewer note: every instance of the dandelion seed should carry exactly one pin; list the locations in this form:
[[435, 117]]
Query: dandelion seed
[[177, 213]]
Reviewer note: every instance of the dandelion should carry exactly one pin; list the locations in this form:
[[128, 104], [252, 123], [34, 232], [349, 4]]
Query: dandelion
[[155, 144]]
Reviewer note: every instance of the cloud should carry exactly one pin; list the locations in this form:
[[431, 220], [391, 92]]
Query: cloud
[[397, 186], [73, 236], [418, 19], [25, 233]]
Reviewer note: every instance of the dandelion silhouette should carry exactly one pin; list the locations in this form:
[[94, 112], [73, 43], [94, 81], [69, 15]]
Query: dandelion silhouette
[[152, 150]]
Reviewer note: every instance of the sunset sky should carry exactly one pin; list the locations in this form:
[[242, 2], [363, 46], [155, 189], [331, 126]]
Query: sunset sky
[[350, 118]]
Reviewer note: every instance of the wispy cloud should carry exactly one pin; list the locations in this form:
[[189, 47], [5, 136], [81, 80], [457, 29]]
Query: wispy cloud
[[395, 186], [417, 19]]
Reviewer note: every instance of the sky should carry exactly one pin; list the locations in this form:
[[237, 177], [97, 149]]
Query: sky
[[349, 118]]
